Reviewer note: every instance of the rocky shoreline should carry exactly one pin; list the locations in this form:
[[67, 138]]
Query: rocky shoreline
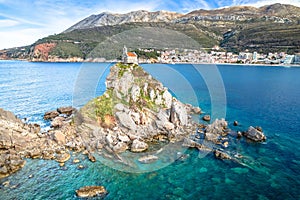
[[135, 111]]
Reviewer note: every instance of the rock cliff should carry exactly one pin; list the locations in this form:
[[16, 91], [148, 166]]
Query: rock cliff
[[280, 13], [134, 111], [109, 19], [41, 51], [19, 140]]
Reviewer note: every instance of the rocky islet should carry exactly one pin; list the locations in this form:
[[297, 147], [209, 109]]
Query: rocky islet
[[137, 111]]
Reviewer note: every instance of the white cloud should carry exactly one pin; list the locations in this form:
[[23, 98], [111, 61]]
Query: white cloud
[[8, 23], [204, 4], [124, 6], [19, 38], [268, 2], [259, 3], [30, 21]]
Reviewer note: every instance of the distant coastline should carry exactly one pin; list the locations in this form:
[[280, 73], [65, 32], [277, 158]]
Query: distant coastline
[[176, 63]]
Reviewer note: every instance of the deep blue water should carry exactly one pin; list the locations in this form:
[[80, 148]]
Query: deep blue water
[[253, 95]]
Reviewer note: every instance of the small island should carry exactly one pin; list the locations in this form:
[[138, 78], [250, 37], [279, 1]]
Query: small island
[[135, 112]]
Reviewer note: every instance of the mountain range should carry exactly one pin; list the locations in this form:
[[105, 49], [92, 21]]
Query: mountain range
[[266, 29]]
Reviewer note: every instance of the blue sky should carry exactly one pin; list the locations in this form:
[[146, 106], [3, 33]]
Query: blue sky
[[22, 22]]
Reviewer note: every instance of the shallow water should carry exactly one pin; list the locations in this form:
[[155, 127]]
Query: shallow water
[[255, 95]]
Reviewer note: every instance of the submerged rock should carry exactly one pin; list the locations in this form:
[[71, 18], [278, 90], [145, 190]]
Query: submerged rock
[[255, 134], [148, 159], [222, 155], [91, 191], [138, 146]]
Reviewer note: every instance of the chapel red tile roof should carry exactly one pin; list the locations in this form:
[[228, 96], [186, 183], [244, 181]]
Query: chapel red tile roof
[[130, 54]]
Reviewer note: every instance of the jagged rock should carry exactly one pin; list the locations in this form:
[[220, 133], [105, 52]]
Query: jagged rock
[[120, 147], [212, 137], [239, 134], [255, 134], [66, 110], [9, 163], [192, 144], [158, 100], [50, 115], [145, 89], [80, 167], [111, 140], [196, 110], [169, 126], [136, 117], [259, 128], [167, 99], [62, 157], [178, 114], [57, 122], [19, 140], [148, 159], [222, 155], [35, 153], [76, 160], [119, 107], [235, 123], [138, 146], [91, 191], [163, 116], [9, 116], [91, 157], [135, 93], [225, 144], [214, 131], [123, 138], [217, 127], [59, 137], [122, 84], [152, 95], [206, 117], [125, 120], [34, 128]]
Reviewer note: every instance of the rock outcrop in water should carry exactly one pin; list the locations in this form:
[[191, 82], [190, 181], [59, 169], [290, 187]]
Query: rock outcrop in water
[[91, 191], [255, 134], [19, 140], [135, 111], [14, 135]]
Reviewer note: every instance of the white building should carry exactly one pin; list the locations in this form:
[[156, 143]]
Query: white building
[[129, 57], [289, 59], [297, 59]]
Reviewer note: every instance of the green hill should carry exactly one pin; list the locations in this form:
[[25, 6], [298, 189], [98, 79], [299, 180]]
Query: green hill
[[273, 28]]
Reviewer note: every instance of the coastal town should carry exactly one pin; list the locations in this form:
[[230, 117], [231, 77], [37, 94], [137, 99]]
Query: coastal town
[[216, 55]]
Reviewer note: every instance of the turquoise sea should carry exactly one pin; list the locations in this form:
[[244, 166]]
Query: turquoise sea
[[266, 96]]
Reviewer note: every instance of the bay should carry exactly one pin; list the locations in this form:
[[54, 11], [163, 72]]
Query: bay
[[254, 95]]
